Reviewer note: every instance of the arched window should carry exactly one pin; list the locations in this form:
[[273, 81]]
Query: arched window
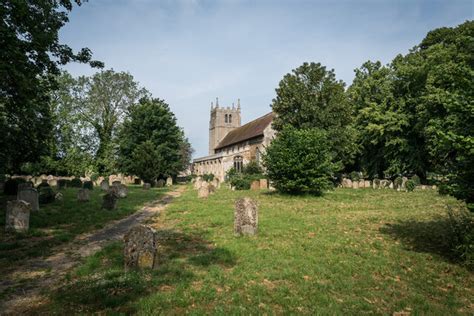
[[238, 163], [230, 118], [226, 118]]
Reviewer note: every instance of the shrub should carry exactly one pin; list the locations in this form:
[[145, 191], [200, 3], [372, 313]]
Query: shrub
[[208, 177], [300, 161], [252, 168], [411, 185], [241, 182], [11, 186], [416, 179], [75, 183], [88, 185], [461, 238], [46, 195], [354, 175], [443, 189], [397, 183]]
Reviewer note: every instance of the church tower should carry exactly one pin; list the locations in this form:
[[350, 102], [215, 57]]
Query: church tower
[[222, 121]]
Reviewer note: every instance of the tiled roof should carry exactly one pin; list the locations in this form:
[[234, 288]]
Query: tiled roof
[[248, 131]]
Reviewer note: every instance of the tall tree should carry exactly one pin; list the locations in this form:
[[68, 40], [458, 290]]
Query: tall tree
[[102, 102], [311, 97], [151, 144], [30, 57]]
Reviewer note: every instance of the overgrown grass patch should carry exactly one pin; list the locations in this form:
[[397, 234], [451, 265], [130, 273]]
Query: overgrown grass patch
[[61, 221], [347, 252]]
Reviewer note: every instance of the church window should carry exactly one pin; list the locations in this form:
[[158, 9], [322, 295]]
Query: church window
[[238, 163], [230, 118], [226, 119]]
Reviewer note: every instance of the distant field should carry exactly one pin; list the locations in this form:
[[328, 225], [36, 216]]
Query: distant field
[[61, 221], [349, 252]]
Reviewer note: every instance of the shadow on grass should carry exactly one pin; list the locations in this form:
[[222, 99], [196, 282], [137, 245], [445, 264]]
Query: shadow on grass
[[102, 285], [433, 236]]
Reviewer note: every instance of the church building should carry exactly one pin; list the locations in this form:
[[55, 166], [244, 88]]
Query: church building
[[232, 144]]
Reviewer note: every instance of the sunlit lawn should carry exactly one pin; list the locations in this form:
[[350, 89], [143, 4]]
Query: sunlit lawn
[[348, 252]]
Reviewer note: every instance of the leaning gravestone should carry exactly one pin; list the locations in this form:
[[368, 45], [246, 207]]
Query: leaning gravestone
[[169, 181], [109, 200], [146, 186], [203, 191], [104, 185], [245, 217], [255, 185], [83, 195], [30, 196], [17, 216], [141, 248]]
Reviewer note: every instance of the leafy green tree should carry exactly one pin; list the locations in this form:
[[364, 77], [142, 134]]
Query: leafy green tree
[[151, 126], [300, 161], [311, 97], [29, 59]]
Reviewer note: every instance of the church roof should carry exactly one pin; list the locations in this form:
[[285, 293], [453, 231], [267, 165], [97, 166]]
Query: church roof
[[248, 131]]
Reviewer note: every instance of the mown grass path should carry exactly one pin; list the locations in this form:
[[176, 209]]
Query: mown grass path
[[25, 282]]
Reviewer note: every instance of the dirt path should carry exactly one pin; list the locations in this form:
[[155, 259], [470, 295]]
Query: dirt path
[[28, 280]]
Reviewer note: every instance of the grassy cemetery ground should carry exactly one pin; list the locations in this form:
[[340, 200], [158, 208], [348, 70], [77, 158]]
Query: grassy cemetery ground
[[364, 251], [59, 222]]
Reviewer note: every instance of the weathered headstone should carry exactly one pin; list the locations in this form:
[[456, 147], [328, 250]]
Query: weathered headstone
[[30, 196], [203, 191], [347, 183], [355, 184], [104, 185], [216, 183], [255, 185], [366, 184], [361, 184], [121, 190], [83, 195], [390, 185], [58, 196], [141, 248], [160, 183], [197, 183], [23, 186], [263, 184], [169, 181], [146, 186], [245, 217], [404, 183], [385, 184], [17, 216], [109, 200]]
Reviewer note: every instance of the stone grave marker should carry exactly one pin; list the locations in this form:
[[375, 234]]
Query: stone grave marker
[[17, 216], [160, 183], [104, 185], [245, 217], [109, 200], [169, 181], [29, 195], [146, 186], [83, 195], [203, 191], [263, 184], [141, 248], [255, 185]]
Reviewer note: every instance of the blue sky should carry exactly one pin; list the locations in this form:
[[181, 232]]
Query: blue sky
[[188, 52]]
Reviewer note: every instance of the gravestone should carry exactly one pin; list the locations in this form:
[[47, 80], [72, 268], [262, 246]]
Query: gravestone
[[255, 185], [390, 185], [109, 200], [30, 196], [212, 188], [23, 186], [83, 195], [355, 184], [58, 196], [203, 191], [17, 216], [104, 185], [216, 183], [404, 183], [384, 184], [53, 182], [361, 184], [146, 186], [169, 181], [141, 248], [347, 183], [263, 184], [116, 182], [245, 217], [160, 183], [366, 184], [121, 190], [197, 183]]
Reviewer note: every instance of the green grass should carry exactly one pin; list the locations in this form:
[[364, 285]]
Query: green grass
[[61, 221], [348, 252]]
